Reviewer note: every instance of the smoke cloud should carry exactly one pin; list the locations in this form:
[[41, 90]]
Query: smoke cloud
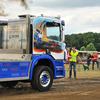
[[2, 13], [23, 3], [2, 8]]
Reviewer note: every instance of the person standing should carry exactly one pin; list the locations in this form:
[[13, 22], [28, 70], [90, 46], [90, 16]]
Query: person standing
[[68, 54], [95, 60], [89, 58], [73, 60]]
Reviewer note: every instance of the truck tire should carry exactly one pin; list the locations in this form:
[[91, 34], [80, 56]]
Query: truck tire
[[42, 79], [8, 84]]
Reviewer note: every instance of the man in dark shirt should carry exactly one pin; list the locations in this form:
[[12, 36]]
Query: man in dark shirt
[[89, 58]]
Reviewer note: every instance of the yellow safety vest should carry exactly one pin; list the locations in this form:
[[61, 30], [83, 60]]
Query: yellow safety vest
[[73, 56]]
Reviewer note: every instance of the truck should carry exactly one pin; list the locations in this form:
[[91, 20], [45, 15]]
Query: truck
[[32, 50]]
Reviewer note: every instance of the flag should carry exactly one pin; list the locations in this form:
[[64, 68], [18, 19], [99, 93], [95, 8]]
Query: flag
[[85, 67]]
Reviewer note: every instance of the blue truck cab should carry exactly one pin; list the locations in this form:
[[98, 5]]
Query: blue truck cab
[[32, 51]]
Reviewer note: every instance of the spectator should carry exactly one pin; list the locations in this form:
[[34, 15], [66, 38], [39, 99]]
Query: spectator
[[89, 58], [73, 62], [95, 60], [68, 54]]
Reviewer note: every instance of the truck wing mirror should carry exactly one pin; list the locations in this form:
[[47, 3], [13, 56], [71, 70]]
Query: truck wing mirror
[[63, 22]]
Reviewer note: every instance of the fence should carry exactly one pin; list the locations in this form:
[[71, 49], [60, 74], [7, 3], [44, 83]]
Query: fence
[[79, 66]]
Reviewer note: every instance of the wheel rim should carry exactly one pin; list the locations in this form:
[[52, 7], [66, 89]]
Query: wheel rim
[[44, 78]]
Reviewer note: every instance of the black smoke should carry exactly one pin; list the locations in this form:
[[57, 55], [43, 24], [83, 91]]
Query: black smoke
[[2, 8], [23, 3]]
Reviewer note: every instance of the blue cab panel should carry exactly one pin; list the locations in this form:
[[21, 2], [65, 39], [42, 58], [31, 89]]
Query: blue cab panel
[[58, 64], [14, 69], [60, 71]]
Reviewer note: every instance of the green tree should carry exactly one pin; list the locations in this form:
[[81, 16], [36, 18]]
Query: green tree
[[90, 47], [97, 46], [83, 39], [83, 48]]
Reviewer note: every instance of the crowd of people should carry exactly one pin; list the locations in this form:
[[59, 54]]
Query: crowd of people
[[72, 58], [94, 58]]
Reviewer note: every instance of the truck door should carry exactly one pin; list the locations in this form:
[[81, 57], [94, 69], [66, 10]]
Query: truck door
[[50, 38]]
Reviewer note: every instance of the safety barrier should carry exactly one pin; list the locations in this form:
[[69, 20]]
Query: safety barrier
[[79, 66]]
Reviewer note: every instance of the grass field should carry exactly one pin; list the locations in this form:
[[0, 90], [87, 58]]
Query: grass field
[[82, 74]]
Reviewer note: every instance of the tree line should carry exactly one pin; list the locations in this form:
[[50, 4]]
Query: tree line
[[84, 41]]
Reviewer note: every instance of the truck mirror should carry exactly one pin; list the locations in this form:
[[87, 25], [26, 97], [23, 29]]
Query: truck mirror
[[63, 22]]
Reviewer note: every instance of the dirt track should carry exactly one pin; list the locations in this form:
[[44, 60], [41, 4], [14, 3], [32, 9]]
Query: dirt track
[[63, 89]]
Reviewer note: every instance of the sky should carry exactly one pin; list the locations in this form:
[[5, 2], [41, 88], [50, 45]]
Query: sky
[[79, 15]]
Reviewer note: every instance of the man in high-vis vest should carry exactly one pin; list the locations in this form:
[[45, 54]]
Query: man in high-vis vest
[[73, 61]]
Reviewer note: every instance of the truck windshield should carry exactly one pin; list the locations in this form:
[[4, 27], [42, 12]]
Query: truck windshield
[[53, 31]]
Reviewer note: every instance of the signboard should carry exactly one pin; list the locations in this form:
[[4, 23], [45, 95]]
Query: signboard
[[14, 37], [14, 69]]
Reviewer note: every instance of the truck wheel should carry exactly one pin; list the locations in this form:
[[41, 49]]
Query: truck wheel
[[8, 84], [43, 78]]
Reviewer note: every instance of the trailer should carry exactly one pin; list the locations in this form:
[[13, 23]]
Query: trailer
[[31, 50]]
